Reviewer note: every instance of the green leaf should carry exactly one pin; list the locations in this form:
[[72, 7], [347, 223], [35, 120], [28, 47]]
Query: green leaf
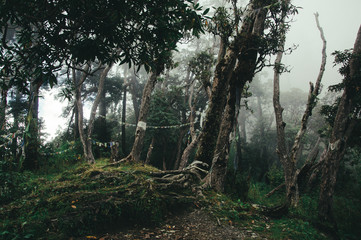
[[206, 11]]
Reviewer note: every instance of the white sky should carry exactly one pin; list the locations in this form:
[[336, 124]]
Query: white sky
[[340, 21]]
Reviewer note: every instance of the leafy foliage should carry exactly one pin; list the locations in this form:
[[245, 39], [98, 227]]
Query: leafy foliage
[[62, 32], [13, 184]]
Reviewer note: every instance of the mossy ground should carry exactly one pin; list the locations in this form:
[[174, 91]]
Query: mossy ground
[[88, 200], [84, 200]]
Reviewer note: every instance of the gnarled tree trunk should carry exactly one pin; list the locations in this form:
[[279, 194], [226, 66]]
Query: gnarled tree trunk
[[341, 131], [247, 46], [289, 159]]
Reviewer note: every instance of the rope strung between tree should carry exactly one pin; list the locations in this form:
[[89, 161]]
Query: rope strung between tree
[[158, 127]]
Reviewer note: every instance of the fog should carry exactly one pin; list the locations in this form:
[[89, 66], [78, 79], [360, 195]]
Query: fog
[[340, 21]]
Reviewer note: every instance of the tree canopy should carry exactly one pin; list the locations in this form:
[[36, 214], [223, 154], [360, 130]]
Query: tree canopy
[[39, 37]]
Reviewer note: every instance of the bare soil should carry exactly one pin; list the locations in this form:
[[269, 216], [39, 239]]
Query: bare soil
[[188, 225]]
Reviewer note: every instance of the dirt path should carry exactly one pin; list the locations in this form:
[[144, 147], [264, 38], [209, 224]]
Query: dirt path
[[191, 225]]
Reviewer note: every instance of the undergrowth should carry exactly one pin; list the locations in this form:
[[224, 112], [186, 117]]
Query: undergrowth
[[247, 217], [82, 201]]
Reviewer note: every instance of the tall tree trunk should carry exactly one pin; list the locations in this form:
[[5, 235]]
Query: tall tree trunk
[[289, 159], [102, 131], [187, 98], [150, 150], [187, 151], [31, 146], [16, 114], [248, 44], [242, 123], [245, 43], [134, 85], [216, 177], [164, 162], [179, 149], [124, 114], [93, 111], [212, 121], [3, 104], [76, 121], [341, 130], [78, 83], [134, 155]]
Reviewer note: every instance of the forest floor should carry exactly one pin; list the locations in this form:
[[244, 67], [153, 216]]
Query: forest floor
[[126, 202], [192, 224]]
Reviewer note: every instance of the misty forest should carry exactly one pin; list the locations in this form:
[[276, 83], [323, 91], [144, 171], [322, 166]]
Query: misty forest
[[175, 123]]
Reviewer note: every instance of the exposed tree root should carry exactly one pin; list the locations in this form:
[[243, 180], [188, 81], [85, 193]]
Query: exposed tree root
[[189, 177]]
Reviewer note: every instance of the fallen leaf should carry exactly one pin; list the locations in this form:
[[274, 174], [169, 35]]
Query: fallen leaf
[[91, 237]]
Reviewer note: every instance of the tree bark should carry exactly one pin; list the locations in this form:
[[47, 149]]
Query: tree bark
[[242, 123], [212, 121], [78, 83], [187, 151], [103, 75], [102, 131], [179, 153], [341, 131], [248, 46], [134, 155], [124, 112], [134, 86], [150, 150], [76, 121], [16, 114], [217, 174], [3, 105], [289, 159], [31, 138], [244, 48]]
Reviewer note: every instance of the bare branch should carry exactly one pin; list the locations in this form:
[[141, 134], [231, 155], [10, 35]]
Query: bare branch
[[312, 96]]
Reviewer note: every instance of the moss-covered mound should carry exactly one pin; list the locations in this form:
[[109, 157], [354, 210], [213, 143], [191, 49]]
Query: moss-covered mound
[[87, 200]]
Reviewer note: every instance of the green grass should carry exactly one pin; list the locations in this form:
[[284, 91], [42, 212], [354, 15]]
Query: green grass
[[247, 217], [83, 200], [89, 199]]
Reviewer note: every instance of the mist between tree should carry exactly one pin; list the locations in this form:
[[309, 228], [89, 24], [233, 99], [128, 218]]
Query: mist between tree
[[176, 104]]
